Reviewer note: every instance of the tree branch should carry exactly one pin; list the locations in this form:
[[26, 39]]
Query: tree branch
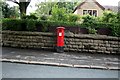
[[27, 3], [29, 0], [14, 1]]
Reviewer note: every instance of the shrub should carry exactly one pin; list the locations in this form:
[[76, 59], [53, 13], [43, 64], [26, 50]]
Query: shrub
[[116, 29], [43, 25], [109, 17], [43, 17], [29, 17], [88, 19], [92, 31], [58, 14], [31, 25], [73, 18], [14, 24]]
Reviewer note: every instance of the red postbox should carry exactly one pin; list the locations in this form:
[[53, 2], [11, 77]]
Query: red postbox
[[60, 39]]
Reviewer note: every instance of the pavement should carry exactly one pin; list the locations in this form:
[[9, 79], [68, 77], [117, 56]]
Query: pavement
[[66, 59]]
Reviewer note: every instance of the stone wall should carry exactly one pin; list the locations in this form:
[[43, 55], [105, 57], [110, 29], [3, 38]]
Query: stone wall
[[73, 42], [92, 43], [23, 39]]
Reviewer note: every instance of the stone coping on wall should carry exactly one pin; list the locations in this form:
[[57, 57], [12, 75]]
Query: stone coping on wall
[[27, 33]]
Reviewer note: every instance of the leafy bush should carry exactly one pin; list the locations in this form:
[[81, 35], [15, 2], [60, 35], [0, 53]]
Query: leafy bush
[[58, 14], [43, 25], [43, 17], [73, 17], [14, 24], [88, 19], [29, 17], [109, 17], [92, 31], [31, 25], [116, 29]]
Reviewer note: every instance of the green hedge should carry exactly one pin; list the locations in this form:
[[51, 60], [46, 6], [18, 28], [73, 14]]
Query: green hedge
[[42, 25], [18, 24]]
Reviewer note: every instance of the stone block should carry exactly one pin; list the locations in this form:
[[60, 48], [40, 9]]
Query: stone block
[[98, 41], [84, 40], [114, 46], [114, 52], [100, 51], [85, 50], [108, 52], [102, 48], [114, 42], [66, 49], [80, 46], [69, 46], [101, 45], [40, 44], [92, 51], [116, 49], [75, 46], [107, 45], [96, 48], [76, 40], [66, 42], [109, 49], [89, 40], [72, 43], [71, 49], [85, 44], [95, 44], [79, 50]]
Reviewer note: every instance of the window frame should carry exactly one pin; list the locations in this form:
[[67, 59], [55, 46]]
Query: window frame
[[90, 10]]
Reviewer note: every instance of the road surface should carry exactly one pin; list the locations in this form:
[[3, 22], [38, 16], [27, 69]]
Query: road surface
[[15, 70]]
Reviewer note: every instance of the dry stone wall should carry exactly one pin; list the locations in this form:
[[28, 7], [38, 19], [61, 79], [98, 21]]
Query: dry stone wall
[[73, 42], [92, 43], [28, 39]]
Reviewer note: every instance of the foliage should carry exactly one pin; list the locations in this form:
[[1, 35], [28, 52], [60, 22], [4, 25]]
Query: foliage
[[45, 8], [116, 29], [31, 25], [88, 19], [43, 17], [92, 31], [58, 14], [29, 17], [109, 17], [13, 24], [44, 25], [73, 17], [9, 12], [118, 17], [69, 6]]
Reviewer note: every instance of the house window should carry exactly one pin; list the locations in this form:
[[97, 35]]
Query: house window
[[84, 12], [95, 13], [90, 12]]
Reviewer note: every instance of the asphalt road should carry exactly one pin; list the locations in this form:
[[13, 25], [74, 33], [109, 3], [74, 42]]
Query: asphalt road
[[15, 70]]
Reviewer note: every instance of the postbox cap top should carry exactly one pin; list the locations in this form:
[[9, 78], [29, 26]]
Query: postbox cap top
[[61, 27]]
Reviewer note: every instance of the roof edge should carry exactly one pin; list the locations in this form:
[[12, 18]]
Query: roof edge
[[85, 2]]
